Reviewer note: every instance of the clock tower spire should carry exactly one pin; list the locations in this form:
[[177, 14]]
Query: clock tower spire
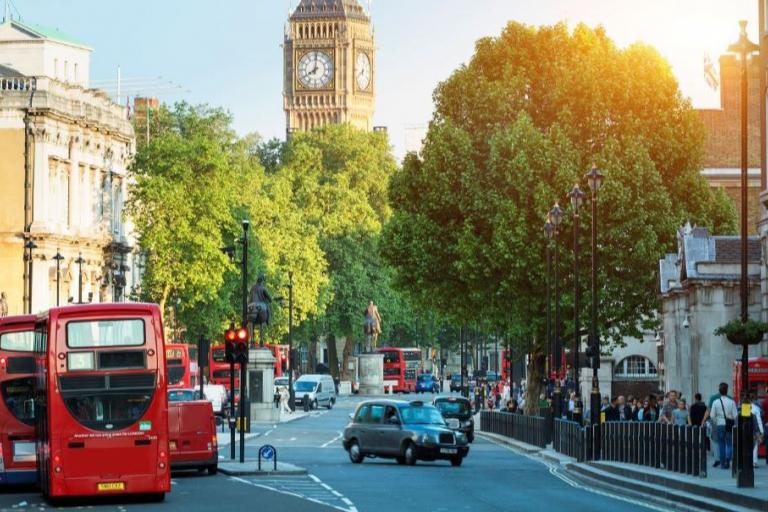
[[329, 64]]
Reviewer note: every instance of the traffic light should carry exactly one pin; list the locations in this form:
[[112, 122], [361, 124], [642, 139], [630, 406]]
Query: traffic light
[[241, 346], [593, 353], [229, 344]]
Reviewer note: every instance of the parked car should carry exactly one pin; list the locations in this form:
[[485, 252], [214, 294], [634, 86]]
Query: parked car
[[457, 412], [427, 383], [316, 389], [404, 431], [192, 432]]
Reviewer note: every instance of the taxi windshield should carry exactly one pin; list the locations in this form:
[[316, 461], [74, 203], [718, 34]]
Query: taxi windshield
[[421, 415]]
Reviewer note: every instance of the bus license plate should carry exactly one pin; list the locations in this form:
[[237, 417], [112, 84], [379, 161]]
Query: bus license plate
[[111, 486], [449, 451]]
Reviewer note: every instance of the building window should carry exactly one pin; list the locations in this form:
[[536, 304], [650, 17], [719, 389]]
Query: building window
[[635, 367], [56, 68], [75, 77]]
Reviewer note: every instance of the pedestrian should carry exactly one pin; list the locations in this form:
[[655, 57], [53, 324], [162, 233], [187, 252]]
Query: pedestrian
[[681, 416], [759, 428], [640, 412], [511, 407], [669, 406], [612, 412], [497, 397], [285, 397], [625, 411], [4, 304], [723, 414], [697, 411], [650, 411]]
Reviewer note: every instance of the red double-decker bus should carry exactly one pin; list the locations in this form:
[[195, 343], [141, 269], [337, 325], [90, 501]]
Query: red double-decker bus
[[402, 365], [179, 368], [17, 421], [280, 353], [218, 368], [101, 401]]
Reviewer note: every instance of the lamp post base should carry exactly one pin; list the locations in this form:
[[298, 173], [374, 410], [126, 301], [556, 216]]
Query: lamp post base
[[557, 402], [594, 402], [745, 472]]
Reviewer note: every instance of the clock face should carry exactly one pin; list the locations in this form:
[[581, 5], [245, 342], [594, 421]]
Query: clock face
[[363, 71], [315, 69]]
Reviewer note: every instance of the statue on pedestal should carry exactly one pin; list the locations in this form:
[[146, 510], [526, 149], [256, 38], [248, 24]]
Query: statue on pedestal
[[258, 307], [372, 326]]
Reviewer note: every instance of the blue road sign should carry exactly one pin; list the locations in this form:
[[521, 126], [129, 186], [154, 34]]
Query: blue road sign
[[267, 452]]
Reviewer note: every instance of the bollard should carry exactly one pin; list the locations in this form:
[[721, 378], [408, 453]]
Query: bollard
[[305, 403]]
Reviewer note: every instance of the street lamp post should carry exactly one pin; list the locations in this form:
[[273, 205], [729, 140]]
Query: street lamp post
[[556, 217], [595, 179], [58, 258], [244, 261], [463, 354], [744, 48], [549, 233], [290, 341], [30, 246], [577, 198], [80, 262]]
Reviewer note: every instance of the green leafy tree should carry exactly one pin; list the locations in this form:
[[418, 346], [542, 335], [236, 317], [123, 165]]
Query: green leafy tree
[[512, 132]]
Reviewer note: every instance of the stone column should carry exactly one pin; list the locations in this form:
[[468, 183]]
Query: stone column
[[260, 386], [371, 374]]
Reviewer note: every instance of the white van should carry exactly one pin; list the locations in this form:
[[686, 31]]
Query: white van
[[317, 389], [217, 395]]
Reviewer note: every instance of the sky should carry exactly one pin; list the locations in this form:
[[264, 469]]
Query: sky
[[228, 53]]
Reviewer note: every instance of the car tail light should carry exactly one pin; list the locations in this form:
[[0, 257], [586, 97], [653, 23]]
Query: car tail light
[[2, 460], [214, 440]]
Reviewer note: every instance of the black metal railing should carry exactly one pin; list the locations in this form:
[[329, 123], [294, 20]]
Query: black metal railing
[[527, 429], [568, 438]]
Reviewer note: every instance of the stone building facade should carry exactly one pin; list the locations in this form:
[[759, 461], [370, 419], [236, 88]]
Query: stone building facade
[[329, 65], [65, 150], [700, 292]]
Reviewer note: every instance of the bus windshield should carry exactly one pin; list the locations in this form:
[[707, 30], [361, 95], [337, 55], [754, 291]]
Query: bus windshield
[[23, 341], [391, 356], [219, 355], [109, 410], [105, 333]]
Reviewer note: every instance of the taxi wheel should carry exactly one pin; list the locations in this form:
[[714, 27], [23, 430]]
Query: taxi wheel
[[409, 454], [456, 461], [314, 405], [355, 455]]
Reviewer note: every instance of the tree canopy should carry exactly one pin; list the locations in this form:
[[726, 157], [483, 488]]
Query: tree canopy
[[513, 130]]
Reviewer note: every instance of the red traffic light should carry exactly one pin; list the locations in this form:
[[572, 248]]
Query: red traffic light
[[242, 334], [229, 335]]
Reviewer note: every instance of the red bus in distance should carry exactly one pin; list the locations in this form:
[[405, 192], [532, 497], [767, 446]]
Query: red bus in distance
[[757, 373], [280, 353], [17, 422], [101, 401], [218, 368], [178, 364], [402, 365]]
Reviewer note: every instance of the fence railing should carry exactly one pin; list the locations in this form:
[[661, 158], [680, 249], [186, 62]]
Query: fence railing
[[533, 430], [568, 438]]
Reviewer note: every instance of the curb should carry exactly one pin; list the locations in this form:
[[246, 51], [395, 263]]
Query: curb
[[518, 445], [256, 472]]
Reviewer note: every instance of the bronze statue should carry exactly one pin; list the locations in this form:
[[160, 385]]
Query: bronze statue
[[258, 307], [372, 326], [3, 305]]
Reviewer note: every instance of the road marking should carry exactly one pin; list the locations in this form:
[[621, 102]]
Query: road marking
[[555, 471], [268, 432], [326, 445], [309, 488], [292, 439]]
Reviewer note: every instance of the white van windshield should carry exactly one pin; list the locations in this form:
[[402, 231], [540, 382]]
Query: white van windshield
[[305, 385]]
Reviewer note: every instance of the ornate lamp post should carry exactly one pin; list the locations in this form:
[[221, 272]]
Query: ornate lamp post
[[58, 258], [595, 180], [80, 262], [577, 199], [30, 245], [290, 341], [744, 49], [556, 217], [549, 233]]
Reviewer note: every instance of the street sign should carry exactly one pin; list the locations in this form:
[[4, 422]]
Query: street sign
[[268, 452]]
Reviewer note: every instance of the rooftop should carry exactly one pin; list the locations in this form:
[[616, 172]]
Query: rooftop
[[329, 9], [40, 32]]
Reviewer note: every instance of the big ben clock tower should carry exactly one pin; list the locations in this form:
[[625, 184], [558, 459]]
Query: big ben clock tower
[[329, 65]]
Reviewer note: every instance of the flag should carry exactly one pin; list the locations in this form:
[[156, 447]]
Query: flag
[[710, 73]]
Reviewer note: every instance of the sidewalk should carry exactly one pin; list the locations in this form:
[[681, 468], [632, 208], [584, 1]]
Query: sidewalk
[[717, 492], [223, 436]]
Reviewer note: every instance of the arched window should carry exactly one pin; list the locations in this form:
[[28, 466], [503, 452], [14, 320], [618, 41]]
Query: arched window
[[635, 367]]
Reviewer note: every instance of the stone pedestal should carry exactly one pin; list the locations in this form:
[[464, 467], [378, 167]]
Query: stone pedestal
[[371, 368], [261, 386]]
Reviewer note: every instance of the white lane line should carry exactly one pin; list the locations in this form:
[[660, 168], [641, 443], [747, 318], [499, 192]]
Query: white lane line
[[555, 471], [326, 445], [289, 493], [268, 432], [292, 439]]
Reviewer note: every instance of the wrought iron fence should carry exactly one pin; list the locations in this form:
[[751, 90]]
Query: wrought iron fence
[[568, 438], [527, 429]]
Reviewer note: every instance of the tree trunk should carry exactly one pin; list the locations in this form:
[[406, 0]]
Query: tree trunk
[[312, 355], [349, 346], [333, 356], [535, 381]]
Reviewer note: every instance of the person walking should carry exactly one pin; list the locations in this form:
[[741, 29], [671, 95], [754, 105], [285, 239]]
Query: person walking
[[698, 411], [723, 414], [285, 397], [625, 411], [759, 427]]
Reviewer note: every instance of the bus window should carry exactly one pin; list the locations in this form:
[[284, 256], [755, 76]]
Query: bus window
[[108, 410], [105, 333], [392, 357], [18, 396], [18, 341]]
